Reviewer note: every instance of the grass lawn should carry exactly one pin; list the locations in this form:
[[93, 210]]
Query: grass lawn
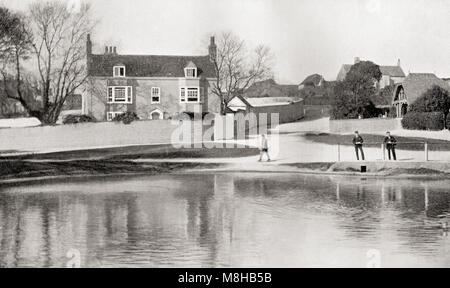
[[403, 143], [142, 152]]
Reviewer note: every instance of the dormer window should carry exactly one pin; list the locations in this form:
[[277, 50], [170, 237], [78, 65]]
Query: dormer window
[[119, 71], [190, 72]]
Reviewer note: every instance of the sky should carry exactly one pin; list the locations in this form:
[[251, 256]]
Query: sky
[[306, 36]]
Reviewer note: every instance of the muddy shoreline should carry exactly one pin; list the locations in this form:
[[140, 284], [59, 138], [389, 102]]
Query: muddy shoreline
[[18, 171]]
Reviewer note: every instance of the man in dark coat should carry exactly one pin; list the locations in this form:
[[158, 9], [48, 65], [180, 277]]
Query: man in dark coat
[[358, 143], [390, 143]]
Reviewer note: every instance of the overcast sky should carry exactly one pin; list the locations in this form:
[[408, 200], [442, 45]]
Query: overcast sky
[[307, 36]]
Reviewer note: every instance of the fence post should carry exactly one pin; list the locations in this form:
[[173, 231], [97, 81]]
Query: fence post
[[383, 152], [339, 152], [426, 151]]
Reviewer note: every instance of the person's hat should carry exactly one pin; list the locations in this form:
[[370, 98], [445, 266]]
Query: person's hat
[[356, 132]]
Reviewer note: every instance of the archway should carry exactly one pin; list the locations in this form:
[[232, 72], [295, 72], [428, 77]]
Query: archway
[[156, 115]]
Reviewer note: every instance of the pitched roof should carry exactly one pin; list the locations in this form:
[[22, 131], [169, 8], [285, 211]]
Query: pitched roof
[[393, 71], [415, 84], [149, 65], [314, 79], [270, 88]]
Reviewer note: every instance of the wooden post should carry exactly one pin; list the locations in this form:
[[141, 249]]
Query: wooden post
[[339, 152], [426, 151]]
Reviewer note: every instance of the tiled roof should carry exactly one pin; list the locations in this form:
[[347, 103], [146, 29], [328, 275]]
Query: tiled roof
[[393, 71], [314, 79], [269, 88], [149, 65], [415, 84]]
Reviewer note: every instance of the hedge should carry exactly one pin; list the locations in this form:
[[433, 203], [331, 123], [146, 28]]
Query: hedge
[[76, 119], [126, 118], [423, 121]]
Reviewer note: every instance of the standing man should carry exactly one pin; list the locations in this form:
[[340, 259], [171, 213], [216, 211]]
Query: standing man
[[390, 143], [358, 143], [264, 149]]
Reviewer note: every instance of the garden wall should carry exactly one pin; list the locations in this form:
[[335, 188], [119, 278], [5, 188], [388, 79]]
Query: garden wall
[[372, 125], [93, 135]]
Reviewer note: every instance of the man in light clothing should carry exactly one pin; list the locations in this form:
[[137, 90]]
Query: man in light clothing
[[264, 148]]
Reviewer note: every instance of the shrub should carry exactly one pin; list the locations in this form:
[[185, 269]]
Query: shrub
[[392, 112], [126, 117], [76, 119], [423, 121], [434, 99]]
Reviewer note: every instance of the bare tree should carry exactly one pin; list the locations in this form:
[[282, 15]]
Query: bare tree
[[15, 47], [59, 47], [236, 68]]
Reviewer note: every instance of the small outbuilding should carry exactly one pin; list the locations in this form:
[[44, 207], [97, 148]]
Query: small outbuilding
[[289, 109]]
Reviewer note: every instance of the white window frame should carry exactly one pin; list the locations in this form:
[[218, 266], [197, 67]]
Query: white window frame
[[118, 68], [111, 94], [186, 72], [184, 98], [155, 95], [112, 114]]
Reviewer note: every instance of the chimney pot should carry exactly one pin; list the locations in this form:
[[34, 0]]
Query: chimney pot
[[106, 50], [398, 62], [357, 60], [115, 50], [212, 50]]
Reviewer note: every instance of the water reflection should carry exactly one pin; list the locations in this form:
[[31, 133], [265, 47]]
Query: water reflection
[[225, 220]]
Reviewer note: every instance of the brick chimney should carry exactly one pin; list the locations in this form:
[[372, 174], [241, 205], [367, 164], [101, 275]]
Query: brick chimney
[[88, 45], [212, 49]]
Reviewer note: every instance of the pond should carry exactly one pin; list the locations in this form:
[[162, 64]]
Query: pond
[[225, 220]]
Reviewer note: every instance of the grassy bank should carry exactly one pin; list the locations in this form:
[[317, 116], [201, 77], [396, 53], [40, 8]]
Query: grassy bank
[[20, 169], [379, 169], [404, 143], [142, 152]]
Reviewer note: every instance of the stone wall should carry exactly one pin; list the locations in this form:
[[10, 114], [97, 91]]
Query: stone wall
[[94, 135], [372, 125]]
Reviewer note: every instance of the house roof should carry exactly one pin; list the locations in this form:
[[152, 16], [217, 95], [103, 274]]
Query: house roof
[[415, 84], [314, 79], [269, 88], [393, 71], [149, 65]]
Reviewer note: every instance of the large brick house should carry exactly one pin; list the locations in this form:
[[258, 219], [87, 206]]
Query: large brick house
[[152, 86]]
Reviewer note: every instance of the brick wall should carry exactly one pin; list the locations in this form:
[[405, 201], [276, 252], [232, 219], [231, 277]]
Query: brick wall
[[95, 98]]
